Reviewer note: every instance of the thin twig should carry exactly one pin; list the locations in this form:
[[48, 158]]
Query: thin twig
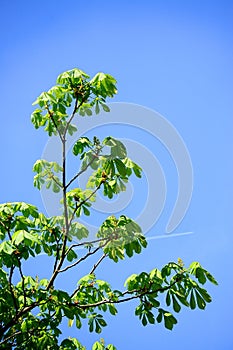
[[20, 270], [79, 260], [84, 169], [11, 288], [81, 203], [9, 337], [57, 253], [86, 243], [55, 180], [97, 263], [20, 313], [76, 107], [53, 120], [109, 301], [23, 282]]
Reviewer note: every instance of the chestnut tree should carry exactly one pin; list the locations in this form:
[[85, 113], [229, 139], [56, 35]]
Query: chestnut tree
[[32, 309]]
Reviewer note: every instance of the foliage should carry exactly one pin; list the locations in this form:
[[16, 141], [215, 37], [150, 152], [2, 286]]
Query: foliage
[[32, 309]]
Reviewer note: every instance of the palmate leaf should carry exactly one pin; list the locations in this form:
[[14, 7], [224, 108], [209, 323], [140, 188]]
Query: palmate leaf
[[118, 149], [129, 238], [80, 145], [46, 175], [73, 76], [169, 320], [103, 85], [192, 301], [200, 273]]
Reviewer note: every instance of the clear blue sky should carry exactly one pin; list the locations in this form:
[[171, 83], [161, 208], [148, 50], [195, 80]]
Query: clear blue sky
[[172, 56]]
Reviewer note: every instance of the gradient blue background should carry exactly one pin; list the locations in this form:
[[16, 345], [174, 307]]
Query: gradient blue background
[[172, 56]]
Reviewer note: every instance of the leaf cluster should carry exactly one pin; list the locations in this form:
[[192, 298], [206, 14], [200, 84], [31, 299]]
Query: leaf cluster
[[73, 88]]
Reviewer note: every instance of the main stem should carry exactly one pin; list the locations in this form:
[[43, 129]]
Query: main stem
[[64, 202], [64, 188], [66, 229]]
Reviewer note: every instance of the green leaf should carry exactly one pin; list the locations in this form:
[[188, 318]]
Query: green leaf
[[131, 165], [18, 237], [6, 247], [169, 320], [70, 323], [72, 129], [37, 167], [78, 230], [144, 320], [131, 281], [118, 150], [168, 299], [159, 318], [80, 145], [103, 85], [31, 237], [86, 211], [204, 294], [98, 346], [200, 275], [181, 298], [97, 108], [200, 301], [120, 167], [98, 329], [72, 76], [102, 322], [113, 311], [68, 312], [44, 282], [122, 185], [192, 301], [150, 317], [129, 249], [166, 271], [111, 347], [55, 187], [105, 107], [176, 305], [24, 328], [211, 278], [71, 255], [88, 111], [156, 274], [57, 168], [78, 322]]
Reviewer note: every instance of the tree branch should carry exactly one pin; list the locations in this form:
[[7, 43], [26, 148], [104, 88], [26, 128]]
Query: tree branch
[[57, 256], [81, 203], [84, 169], [109, 301], [55, 180], [23, 283], [20, 270], [10, 337], [86, 243], [81, 259], [11, 288], [65, 237], [97, 263], [20, 313], [64, 187], [53, 120], [76, 107]]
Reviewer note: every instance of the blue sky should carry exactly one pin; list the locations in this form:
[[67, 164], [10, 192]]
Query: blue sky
[[174, 57]]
